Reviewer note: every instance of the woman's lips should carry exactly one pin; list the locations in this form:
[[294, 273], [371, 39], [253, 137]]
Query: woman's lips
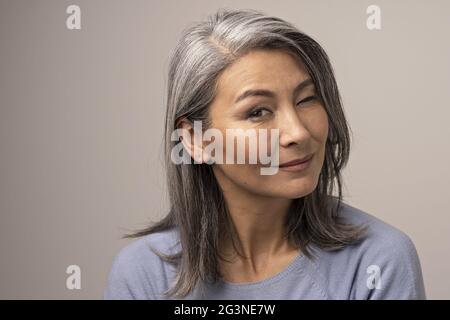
[[296, 165]]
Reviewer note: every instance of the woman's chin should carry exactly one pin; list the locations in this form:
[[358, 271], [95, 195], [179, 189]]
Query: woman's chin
[[298, 189]]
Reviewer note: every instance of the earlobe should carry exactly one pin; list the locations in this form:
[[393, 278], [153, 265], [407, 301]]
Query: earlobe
[[194, 147], [207, 159], [197, 153], [186, 138]]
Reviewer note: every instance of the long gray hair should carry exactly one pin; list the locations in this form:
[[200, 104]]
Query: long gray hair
[[197, 207]]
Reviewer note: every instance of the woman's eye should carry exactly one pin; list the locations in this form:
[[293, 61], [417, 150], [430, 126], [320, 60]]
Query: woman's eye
[[257, 113], [260, 112], [310, 98]]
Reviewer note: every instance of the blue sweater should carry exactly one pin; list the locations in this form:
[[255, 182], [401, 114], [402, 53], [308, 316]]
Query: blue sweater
[[385, 265]]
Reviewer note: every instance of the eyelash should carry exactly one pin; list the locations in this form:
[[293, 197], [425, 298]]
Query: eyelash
[[257, 109]]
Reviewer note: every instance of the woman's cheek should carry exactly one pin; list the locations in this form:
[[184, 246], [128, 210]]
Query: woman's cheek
[[320, 125]]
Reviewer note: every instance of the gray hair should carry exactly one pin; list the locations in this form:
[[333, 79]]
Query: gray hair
[[197, 207]]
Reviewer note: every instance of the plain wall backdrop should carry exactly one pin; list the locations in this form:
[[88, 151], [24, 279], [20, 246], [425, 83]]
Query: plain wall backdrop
[[82, 117]]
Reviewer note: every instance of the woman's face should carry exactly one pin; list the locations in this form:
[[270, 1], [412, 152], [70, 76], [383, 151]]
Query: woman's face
[[300, 117]]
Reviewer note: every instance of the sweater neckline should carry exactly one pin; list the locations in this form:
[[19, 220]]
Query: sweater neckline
[[257, 284]]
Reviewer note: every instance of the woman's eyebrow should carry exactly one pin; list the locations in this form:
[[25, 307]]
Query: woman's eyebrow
[[271, 94]]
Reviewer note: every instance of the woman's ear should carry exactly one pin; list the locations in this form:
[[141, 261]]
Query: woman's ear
[[187, 137]]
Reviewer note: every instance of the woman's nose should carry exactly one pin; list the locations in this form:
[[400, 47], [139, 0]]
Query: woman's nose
[[291, 126]]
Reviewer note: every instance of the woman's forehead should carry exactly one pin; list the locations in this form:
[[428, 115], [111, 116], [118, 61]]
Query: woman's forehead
[[260, 69]]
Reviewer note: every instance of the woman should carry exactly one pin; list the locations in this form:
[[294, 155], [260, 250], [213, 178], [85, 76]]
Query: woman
[[234, 233]]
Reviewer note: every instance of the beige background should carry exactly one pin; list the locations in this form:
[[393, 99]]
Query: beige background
[[81, 124]]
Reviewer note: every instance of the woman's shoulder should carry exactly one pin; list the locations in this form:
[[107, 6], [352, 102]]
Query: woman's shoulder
[[380, 234], [144, 247], [383, 264], [382, 242], [137, 272]]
